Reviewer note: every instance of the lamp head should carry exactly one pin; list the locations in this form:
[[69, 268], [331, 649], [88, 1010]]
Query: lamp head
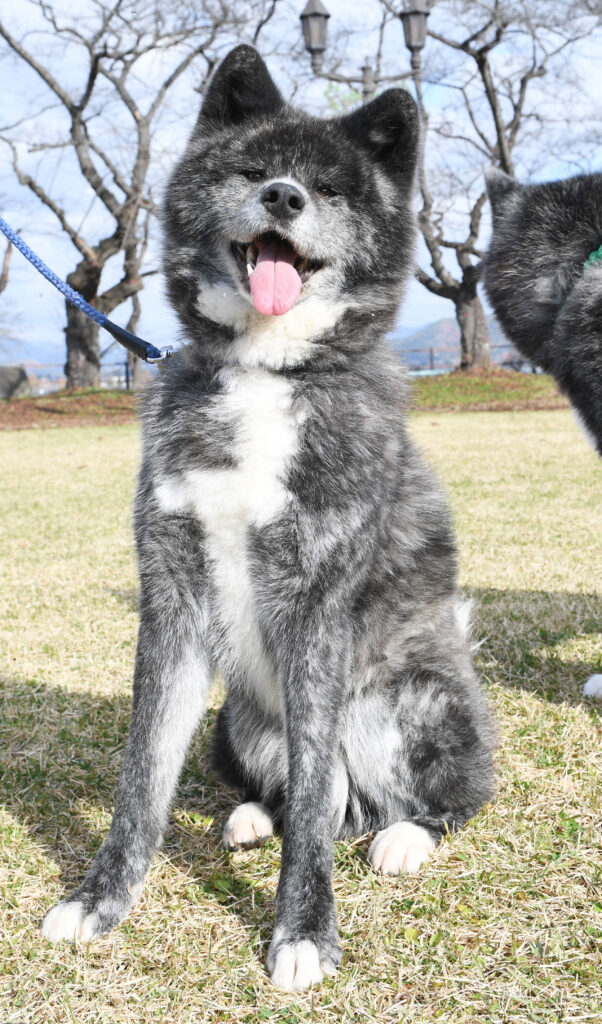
[[413, 18], [314, 21]]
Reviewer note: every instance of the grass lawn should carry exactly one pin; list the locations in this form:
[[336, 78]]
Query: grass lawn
[[505, 922], [495, 390]]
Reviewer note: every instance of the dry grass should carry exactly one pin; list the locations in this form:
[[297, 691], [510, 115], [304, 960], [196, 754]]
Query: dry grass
[[505, 923], [477, 391], [87, 408]]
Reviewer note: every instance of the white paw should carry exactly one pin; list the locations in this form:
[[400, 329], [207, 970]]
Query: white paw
[[401, 847], [249, 825], [297, 966], [68, 921], [593, 687]]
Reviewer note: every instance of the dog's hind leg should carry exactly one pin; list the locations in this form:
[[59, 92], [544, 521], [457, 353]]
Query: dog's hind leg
[[444, 766], [248, 753], [402, 847], [420, 760], [171, 681], [249, 824]]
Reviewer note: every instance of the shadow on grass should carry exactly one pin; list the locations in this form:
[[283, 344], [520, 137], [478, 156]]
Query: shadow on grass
[[130, 597], [61, 751], [60, 758], [531, 640]]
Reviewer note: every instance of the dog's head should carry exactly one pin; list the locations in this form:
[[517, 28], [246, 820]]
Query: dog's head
[[270, 206], [542, 235]]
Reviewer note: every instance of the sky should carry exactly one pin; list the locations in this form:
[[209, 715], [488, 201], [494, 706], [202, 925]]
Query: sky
[[32, 312]]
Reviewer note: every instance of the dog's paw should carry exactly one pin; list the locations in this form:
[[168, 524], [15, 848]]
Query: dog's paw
[[296, 966], [82, 917], [69, 920], [593, 686], [249, 825], [403, 846]]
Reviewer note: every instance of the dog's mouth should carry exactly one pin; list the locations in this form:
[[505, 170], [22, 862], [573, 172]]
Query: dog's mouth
[[274, 271]]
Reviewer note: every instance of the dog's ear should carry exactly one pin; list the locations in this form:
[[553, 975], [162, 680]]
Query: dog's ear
[[240, 87], [389, 129], [500, 186]]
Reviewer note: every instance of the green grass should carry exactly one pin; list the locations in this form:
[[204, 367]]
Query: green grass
[[504, 924], [499, 389]]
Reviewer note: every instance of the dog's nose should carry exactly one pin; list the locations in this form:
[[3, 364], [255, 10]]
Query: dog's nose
[[282, 200]]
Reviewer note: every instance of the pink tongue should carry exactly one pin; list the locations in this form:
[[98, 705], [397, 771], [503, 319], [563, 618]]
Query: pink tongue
[[275, 284]]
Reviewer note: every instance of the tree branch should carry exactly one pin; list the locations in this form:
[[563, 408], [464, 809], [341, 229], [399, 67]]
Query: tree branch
[[26, 179], [434, 286], [40, 70]]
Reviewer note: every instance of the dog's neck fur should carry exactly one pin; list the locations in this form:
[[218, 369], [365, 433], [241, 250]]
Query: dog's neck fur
[[237, 335]]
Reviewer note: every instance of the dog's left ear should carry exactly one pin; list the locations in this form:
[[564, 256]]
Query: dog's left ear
[[389, 129], [500, 188], [241, 87]]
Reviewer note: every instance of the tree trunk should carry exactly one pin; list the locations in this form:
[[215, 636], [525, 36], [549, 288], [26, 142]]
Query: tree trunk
[[134, 363], [82, 368], [474, 334], [5, 266]]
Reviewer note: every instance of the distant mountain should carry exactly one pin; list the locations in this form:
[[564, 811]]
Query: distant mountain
[[443, 337]]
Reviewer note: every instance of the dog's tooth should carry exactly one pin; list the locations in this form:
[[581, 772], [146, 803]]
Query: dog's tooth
[[250, 268]]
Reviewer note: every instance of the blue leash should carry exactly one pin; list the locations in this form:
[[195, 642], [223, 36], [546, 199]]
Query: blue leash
[[143, 349]]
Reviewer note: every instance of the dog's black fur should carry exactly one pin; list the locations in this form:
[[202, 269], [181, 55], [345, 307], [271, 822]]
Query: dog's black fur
[[547, 301]]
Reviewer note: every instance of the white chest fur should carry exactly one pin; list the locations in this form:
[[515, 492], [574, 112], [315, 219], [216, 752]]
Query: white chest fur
[[257, 403]]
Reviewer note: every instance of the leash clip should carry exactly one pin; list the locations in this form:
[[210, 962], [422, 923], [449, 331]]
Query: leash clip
[[164, 353]]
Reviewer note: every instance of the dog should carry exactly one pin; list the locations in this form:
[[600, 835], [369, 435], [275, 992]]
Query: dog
[[543, 276], [545, 282], [288, 532]]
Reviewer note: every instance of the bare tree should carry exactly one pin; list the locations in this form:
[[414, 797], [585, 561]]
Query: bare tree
[[129, 58], [116, 79], [501, 89], [3, 284], [5, 267], [488, 58]]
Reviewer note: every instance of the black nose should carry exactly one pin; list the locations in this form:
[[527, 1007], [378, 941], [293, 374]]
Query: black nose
[[283, 201]]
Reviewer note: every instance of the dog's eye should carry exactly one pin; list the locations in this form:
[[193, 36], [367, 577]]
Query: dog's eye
[[326, 191], [252, 175]]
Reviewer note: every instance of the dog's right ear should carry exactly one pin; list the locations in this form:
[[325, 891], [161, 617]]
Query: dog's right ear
[[388, 129], [240, 87], [500, 186]]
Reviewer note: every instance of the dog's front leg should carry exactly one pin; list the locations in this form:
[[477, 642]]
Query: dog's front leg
[[170, 686], [305, 943]]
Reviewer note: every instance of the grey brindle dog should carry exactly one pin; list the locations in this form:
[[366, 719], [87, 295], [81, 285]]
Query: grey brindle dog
[[544, 286], [543, 275], [288, 531]]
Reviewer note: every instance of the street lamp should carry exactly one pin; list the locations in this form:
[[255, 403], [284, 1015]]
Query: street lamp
[[314, 20], [413, 18], [314, 24]]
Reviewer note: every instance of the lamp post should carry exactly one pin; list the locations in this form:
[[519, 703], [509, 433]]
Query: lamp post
[[413, 19], [314, 21]]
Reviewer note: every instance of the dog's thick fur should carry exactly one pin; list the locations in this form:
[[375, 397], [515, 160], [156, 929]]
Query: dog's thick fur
[[545, 297], [288, 531], [548, 303]]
